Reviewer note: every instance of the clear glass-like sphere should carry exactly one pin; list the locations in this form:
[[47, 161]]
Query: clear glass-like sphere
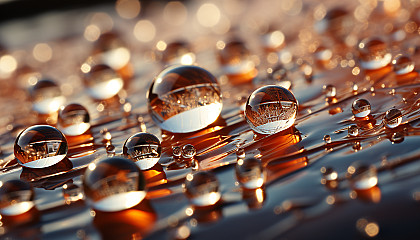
[[46, 97], [374, 54], [362, 176], [353, 130], [361, 108], [250, 173], [271, 109], [40, 146], [330, 91], [16, 197], [73, 120], [184, 99], [402, 64], [202, 188], [144, 149], [102, 82], [188, 151], [113, 184], [393, 118]]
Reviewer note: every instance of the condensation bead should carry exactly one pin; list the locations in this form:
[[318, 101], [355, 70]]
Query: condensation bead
[[360, 108], [392, 118], [402, 64], [188, 151], [184, 99], [144, 149], [46, 97], [362, 176], [72, 193], [176, 151], [102, 82], [240, 153], [330, 91], [202, 189], [353, 130], [73, 120], [374, 54], [40, 146], [113, 184], [178, 52], [16, 197], [327, 138], [271, 109], [250, 173]]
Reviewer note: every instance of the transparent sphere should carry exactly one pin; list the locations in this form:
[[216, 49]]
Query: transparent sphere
[[73, 120], [397, 137], [353, 130], [113, 184], [16, 197], [362, 176], [392, 118], [271, 109], [250, 173], [102, 82], [374, 54], [178, 52], [330, 91], [144, 149], [402, 64], [176, 151], [111, 50], [202, 189], [240, 153], [184, 99], [360, 108], [188, 151], [40, 146], [327, 138], [46, 97]]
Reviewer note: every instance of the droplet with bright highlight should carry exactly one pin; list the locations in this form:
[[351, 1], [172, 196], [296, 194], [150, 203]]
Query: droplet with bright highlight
[[72, 193], [402, 64], [353, 130], [374, 54], [188, 151], [113, 184], [392, 118], [176, 151], [144, 149], [327, 138], [40, 146], [250, 173], [16, 197], [102, 82], [360, 108], [271, 109], [73, 120], [178, 52], [279, 76], [202, 189], [330, 91], [362, 176], [184, 99], [111, 50], [46, 97]]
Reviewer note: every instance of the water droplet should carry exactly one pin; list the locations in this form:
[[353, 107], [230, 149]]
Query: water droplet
[[392, 118], [111, 50], [16, 197], [362, 176], [102, 82], [397, 137], [353, 130], [144, 149], [46, 97], [330, 91], [361, 108], [188, 151], [306, 69], [278, 76], [240, 153], [176, 151], [72, 193], [323, 54], [271, 109], [184, 99], [40, 146], [113, 184], [178, 52], [402, 64], [327, 138], [73, 120], [250, 173], [110, 150], [106, 135], [202, 188], [374, 54]]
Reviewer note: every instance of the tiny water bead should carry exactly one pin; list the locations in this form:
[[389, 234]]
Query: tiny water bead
[[362, 176], [178, 52], [184, 99], [16, 197], [353, 130], [40, 146], [374, 54], [361, 108], [327, 138], [113, 184], [176, 151], [330, 91], [188, 151], [144, 149], [240, 153], [102, 82], [46, 97], [271, 109], [73, 120], [112, 51], [202, 189], [392, 118], [402, 64], [250, 173]]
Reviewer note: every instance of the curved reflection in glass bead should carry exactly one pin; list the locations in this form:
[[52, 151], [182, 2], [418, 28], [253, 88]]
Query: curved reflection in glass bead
[[46, 97], [402, 64], [271, 109], [102, 82], [374, 54], [250, 173], [362, 176], [361, 108], [16, 197], [188, 151], [330, 91], [73, 120], [353, 130], [144, 149], [113, 184], [40, 146], [184, 99], [392, 118], [202, 189]]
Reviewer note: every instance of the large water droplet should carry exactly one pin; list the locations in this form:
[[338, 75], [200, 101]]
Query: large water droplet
[[102, 82], [374, 54]]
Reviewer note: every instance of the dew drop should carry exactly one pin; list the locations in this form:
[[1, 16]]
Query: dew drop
[[250, 173], [144, 149], [178, 52], [73, 120], [353, 130], [327, 138], [102, 82], [402, 64], [188, 151], [202, 189], [46, 97], [360, 108], [16, 197], [330, 91], [374, 54], [392, 118]]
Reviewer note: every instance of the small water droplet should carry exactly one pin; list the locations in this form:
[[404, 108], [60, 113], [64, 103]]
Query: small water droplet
[[353, 130], [402, 64], [361, 108], [188, 151], [374, 54], [73, 120], [144, 149], [16, 197], [202, 189], [46, 97], [392, 118], [327, 138], [102, 82], [240, 153], [176, 151], [397, 137], [250, 173], [330, 91]]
